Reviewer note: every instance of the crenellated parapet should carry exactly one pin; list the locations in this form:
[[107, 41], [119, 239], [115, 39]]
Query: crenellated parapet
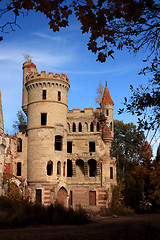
[[44, 76]]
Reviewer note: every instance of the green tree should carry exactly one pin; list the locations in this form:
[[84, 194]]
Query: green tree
[[125, 146], [20, 124]]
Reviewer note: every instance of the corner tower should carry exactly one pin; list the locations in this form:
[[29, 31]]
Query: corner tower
[[46, 98]]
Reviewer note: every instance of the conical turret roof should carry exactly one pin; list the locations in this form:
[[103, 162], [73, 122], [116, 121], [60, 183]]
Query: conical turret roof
[[1, 116], [106, 96]]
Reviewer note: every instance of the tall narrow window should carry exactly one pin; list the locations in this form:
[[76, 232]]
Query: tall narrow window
[[58, 168], [43, 119], [69, 168], [111, 172], [69, 147], [92, 167], [92, 198], [80, 127], [44, 94], [91, 146], [91, 127], [98, 128], [70, 198], [19, 145], [58, 142], [110, 126], [107, 112], [74, 127], [59, 96], [49, 168], [38, 196], [19, 169]]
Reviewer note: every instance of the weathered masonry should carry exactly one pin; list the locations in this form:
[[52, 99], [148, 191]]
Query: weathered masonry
[[64, 155]]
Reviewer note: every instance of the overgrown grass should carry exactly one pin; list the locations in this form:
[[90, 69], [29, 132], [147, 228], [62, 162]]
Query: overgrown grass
[[23, 214]]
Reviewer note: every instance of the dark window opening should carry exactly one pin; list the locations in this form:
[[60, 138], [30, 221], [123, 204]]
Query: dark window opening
[[91, 127], [38, 196], [59, 96], [69, 147], [74, 127], [80, 167], [58, 168], [107, 112], [58, 142], [92, 167], [111, 172], [91, 146], [111, 126], [49, 168], [69, 168], [92, 198], [98, 127], [80, 127], [19, 145], [44, 96], [43, 119], [71, 198], [18, 168]]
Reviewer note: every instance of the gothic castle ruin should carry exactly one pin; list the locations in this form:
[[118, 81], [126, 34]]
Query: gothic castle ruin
[[64, 155]]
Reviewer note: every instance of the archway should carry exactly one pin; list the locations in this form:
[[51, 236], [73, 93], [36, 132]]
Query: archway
[[62, 196]]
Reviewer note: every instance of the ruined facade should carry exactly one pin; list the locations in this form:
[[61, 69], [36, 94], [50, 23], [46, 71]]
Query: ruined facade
[[64, 155]]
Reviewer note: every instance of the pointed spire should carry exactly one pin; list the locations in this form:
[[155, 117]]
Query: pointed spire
[[106, 96], [1, 116]]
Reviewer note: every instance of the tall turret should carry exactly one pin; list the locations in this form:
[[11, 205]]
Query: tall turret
[[1, 116], [29, 69], [46, 108], [107, 109]]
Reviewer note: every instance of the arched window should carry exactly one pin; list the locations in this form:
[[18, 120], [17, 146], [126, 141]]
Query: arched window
[[74, 127], [91, 127], [58, 142], [69, 168], [58, 168], [111, 126], [86, 127], [19, 145], [79, 167], [80, 127], [49, 168], [68, 127], [92, 167], [98, 128]]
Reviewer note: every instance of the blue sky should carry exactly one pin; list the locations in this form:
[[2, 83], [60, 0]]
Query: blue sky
[[64, 52]]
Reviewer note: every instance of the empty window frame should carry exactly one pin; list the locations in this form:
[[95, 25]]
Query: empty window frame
[[44, 94], [58, 143], [71, 198], [79, 127], [19, 145], [69, 168], [74, 127], [49, 168], [19, 169], [79, 167], [69, 147], [92, 147], [92, 198], [111, 172], [92, 167], [91, 127], [98, 127], [38, 196], [111, 126], [59, 96], [43, 119], [58, 168]]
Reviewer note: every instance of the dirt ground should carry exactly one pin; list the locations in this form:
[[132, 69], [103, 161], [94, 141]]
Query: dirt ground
[[137, 227]]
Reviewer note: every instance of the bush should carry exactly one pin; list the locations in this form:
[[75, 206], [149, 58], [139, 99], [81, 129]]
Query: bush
[[23, 214]]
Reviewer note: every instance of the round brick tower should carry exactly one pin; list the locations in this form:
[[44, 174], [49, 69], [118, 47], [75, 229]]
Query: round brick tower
[[47, 134]]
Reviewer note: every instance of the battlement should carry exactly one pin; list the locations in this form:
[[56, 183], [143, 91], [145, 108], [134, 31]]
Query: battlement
[[43, 75]]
